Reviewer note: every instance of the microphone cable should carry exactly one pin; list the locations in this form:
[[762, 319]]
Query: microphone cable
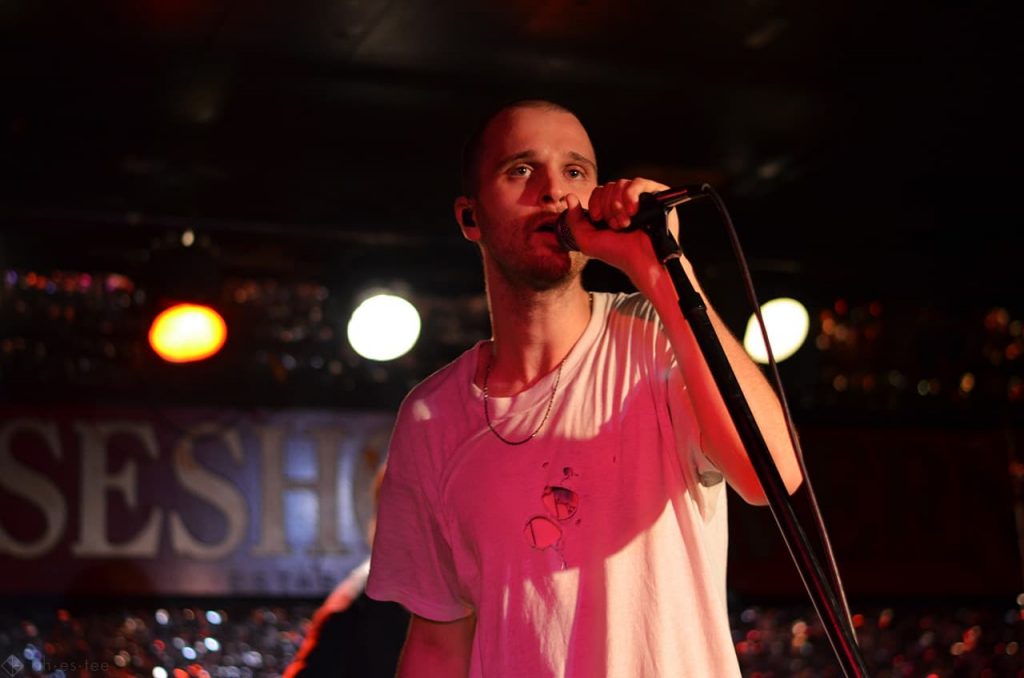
[[794, 438]]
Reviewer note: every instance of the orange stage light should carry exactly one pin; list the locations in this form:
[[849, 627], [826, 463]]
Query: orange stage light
[[187, 333]]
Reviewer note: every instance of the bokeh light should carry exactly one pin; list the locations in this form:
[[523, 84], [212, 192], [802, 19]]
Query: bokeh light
[[787, 321], [384, 327], [187, 333]]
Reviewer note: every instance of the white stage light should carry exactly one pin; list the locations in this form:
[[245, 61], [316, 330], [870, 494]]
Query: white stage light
[[787, 322], [384, 327]]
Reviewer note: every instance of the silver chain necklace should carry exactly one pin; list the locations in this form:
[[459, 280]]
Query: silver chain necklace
[[547, 412], [551, 400]]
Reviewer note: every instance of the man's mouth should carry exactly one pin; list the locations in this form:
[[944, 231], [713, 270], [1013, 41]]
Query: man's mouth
[[548, 226]]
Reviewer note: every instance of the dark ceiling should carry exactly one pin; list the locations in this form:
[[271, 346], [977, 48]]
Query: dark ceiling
[[863, 145]]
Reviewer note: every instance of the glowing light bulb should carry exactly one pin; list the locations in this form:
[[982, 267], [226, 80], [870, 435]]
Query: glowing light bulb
[[787, 323], [384, 327], [187, 333]]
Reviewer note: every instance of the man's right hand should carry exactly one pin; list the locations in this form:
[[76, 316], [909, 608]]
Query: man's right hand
[[631, 252]]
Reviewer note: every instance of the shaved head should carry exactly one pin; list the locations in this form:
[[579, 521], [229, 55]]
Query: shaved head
[[472, 152]]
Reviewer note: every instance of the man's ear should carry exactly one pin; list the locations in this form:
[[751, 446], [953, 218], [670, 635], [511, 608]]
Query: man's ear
[[466, 218]]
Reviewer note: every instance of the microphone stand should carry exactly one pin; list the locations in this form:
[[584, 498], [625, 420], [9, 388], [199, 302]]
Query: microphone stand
[[652, 214]]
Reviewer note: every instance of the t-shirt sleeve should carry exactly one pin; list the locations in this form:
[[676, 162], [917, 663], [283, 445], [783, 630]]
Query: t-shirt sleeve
[[412, 560], [705, 481]]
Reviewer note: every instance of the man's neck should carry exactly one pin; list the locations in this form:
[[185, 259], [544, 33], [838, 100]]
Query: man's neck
[[533, 332]]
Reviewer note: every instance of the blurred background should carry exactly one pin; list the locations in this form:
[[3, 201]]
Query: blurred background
[[282, 163]]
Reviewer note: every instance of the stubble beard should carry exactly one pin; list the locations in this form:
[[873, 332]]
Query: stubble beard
[[539, 273], [523, 263]]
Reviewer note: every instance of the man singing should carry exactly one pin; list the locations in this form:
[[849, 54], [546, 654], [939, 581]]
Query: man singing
[[554, 504]]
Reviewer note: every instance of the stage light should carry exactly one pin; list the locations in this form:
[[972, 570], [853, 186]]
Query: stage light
[[187, 333], [384, 327], [787, 322]]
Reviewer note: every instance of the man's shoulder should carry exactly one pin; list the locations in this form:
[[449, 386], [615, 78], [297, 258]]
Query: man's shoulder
[[432, 411], [441, 387], [629, 304]]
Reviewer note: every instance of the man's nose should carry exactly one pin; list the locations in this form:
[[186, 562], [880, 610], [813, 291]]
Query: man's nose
[[552, 188]]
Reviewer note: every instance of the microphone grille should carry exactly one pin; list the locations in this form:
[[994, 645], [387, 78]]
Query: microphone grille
[[564, 235]]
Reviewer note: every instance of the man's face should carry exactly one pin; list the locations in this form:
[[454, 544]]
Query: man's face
[[532, 159]]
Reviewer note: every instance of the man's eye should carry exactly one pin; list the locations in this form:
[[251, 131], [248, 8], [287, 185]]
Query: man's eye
[[519, 171], [575, 173]]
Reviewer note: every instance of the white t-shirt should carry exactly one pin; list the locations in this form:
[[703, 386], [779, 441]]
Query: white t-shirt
[[592, 550]]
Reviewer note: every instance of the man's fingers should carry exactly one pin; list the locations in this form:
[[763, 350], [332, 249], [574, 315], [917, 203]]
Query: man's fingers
[[616, 202], [575, 215], [594, 205]]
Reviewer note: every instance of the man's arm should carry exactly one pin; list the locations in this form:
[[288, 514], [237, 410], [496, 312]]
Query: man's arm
[[633, 254], [720, 440], [437, 649]]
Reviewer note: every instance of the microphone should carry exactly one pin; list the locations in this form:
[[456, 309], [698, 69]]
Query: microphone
[[652, 209]]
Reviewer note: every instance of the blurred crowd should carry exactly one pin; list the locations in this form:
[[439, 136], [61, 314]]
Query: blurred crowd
[[234, 639], [926, 640]]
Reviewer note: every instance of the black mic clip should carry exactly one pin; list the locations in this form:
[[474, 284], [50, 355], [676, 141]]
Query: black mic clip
[[651, 217]]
